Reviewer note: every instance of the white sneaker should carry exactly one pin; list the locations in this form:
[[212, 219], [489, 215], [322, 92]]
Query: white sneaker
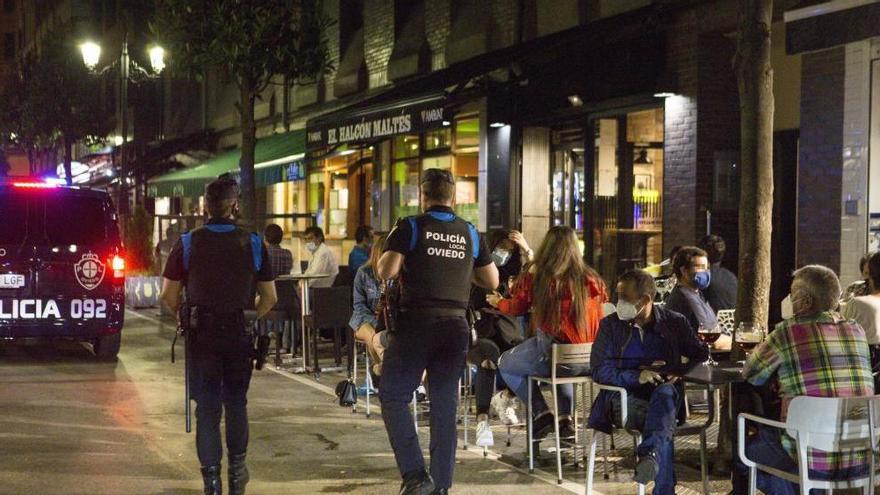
[[484, 435]]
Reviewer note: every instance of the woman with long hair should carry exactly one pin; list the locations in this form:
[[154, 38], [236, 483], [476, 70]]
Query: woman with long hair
[[365, 299], [565, 297]]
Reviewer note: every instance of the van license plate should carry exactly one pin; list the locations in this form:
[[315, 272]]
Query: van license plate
[[11, 281]]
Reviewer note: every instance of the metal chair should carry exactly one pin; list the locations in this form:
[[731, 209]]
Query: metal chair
[[831, 424], [285, 312], [331, 309], [368, 377], [561, 354]]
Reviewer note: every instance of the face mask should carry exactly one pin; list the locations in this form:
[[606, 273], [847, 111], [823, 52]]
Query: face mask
[[627, 311], [501, 256], [702, 279], [312, 247], [787, 308]]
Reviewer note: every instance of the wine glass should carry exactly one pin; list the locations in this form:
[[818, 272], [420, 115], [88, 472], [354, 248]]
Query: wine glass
[[709, 335], [749, 335]]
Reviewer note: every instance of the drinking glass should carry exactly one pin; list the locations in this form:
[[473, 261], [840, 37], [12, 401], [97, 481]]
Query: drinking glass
[[749, 335], [709, 335]]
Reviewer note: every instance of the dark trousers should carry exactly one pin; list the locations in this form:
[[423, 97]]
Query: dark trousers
[[438, 346], [221, 372], [484, 385], [656, 419]]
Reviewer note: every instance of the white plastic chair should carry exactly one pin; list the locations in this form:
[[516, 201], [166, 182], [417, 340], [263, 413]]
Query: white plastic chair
[[636, 436], [831, 424], [725, 319], [562, 354]]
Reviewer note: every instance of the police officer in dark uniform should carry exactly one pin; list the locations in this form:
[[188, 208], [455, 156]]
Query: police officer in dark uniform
[[219, 264], [436, 257]]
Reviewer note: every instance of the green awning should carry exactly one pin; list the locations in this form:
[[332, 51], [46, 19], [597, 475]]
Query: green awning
[[278, 158]]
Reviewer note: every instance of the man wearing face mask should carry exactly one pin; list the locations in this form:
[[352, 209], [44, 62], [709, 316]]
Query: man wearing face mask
[[691, 267], [323, 261], [640, 334]]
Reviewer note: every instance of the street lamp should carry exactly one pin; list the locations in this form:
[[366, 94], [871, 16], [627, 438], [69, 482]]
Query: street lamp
[[91, 53], [129, 71]]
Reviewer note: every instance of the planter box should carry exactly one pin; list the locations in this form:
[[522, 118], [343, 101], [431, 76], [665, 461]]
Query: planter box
[[142, 292]]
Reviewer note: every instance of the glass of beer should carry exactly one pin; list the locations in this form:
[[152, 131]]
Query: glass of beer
[[749, 335], [709, 335]]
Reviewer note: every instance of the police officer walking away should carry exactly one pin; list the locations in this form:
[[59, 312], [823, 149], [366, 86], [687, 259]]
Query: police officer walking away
[[219, 264], [436, 256]]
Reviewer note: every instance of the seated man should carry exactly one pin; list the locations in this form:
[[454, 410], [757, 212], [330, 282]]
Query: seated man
[[691, 268], [814, 353], [637, 335]]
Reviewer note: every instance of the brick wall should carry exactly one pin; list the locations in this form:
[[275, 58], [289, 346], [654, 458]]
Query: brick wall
[[718, 130], [437, 24], [378, 39], [820, 156], [680, 140]]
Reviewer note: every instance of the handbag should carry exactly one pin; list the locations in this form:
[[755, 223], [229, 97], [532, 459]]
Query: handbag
[[347, 393]]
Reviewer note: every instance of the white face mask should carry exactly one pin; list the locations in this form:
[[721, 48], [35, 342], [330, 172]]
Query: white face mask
[[627, 311], [501, 256], [312, 247], [787, 308]]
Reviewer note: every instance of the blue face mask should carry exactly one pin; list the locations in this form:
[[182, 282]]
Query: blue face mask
[[703, 279]]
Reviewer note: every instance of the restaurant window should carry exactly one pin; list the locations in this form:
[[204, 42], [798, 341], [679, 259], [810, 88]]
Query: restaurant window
[[466, 167], [316, 196], [287, 197], [627, 198], [567, 177]]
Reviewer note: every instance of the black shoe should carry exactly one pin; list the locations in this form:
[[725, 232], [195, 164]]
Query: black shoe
[[417, 484], [238, 474], [211, 477], [646, 469], [542, 426], [566, 430]]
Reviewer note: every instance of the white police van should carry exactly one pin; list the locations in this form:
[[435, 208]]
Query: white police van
[[62, 270]]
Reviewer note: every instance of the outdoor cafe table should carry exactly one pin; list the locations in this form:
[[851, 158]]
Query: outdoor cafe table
[[305, 311]]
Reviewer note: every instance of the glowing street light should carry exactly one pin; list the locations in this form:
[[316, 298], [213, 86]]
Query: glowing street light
[[91, 53], [157, 58]]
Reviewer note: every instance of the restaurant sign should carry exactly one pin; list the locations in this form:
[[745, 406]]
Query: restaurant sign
[[376, 125]]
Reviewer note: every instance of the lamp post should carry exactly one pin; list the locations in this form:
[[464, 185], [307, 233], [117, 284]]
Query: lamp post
[[91, 53]]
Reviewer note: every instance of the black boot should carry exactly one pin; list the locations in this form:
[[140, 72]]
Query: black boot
[[211, 477], [238, 474], [417, 483]]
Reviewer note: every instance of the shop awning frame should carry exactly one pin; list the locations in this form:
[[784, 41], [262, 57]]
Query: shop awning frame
[[278, 158]]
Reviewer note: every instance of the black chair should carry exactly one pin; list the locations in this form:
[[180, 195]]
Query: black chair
[[286, 311], [344, 277], [331, 309]]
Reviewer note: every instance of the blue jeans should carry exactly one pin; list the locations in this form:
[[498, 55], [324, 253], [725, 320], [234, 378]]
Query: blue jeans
[[655, 418], [532, 358], [766, 448]]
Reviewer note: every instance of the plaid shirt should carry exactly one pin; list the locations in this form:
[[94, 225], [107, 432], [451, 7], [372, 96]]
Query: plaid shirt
[[818, 356], [280, 259]]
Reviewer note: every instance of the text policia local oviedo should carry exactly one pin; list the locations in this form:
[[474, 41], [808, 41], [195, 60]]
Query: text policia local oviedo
[[456, 245]]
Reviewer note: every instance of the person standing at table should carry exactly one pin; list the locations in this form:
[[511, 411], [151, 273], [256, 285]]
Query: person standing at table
[[814, 353], [219, 264], [436, 257], [360, 254], [323, 261], [639, 334]]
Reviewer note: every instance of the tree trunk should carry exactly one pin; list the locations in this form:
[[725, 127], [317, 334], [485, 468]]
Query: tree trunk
[[246, 162], [68, 159], [755, 78]]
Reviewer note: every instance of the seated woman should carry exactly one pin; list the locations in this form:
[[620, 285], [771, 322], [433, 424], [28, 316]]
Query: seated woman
[[691, 268], [565, 297], [496, 333], [365, 299]]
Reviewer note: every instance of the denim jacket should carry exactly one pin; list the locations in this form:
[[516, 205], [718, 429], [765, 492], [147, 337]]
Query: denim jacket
[[608, 368], [365, 298]]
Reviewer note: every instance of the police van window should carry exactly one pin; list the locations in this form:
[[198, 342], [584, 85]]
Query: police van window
[[13, 209], [75, 220]]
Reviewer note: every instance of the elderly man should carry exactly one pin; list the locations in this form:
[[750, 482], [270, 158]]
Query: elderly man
[[638, 335], [814, 353]]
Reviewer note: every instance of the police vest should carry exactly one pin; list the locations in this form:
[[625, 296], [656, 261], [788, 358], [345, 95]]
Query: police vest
[[438, 269], [221, 261]]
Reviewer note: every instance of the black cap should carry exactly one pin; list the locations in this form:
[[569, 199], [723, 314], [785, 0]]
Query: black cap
[[437, 175], [222, 188]]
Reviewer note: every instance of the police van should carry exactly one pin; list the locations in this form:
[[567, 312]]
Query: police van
[[62, 270]]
